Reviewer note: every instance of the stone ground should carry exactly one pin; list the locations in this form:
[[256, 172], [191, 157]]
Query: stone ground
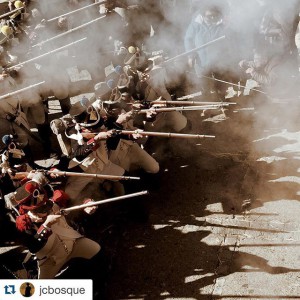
[[197, 242], [191, 238]]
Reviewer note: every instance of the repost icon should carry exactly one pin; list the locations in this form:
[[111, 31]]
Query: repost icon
[[9, 289]]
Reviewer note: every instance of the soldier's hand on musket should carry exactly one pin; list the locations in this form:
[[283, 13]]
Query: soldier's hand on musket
[[136, 105], [157, 105], [91, 209], [151, 112], [137, 134], [124, 117], [53, 175], [103, 135], [38, 176], [51, 219], [31, 174], [88, 135]]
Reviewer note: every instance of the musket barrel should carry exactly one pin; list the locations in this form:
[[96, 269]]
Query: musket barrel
[[76, 10], [69, 31], [191, 103], [195, 49], [11, 12], [45, 54], [234, 84], [89, 175], [104, 201], [21, 90], [168, 134], [181, 108]]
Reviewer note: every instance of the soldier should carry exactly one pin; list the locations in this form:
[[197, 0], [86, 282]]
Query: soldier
[[27, 105], [88, 151], [124, 151], [13, 157], [155, 87], [46, 232], [18, 17]]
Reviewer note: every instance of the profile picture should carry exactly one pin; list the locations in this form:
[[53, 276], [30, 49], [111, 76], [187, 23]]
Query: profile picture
[[27, 289]]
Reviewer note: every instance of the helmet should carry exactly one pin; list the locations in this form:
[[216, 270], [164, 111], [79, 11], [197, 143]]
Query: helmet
[[132, 49], [19, 4], [7, 139], [6, 30], [134, 57]]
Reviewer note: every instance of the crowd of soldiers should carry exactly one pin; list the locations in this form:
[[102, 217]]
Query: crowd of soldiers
[[141, 60]]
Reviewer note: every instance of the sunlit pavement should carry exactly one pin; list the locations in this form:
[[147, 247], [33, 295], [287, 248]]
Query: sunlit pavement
[[222, 226]]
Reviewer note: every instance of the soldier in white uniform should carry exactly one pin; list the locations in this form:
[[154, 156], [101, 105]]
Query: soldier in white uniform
[[47, 233], [89, 151]]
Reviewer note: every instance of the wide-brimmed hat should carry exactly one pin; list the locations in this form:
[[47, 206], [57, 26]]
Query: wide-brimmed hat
[[85, 114], [78, 108], [102, 89], [114, 100], [124, 81]]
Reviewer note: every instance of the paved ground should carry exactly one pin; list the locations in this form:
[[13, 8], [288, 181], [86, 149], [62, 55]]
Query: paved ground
[[197, 242]]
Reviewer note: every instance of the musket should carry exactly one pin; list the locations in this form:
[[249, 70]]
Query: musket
[[234, 84], [190, 103], [197, 94], [76, 10], [69, 31], [96, 203], [180, 108], [74, 174], [11, 12], [195, 49], [10, 271], [21, 90], [163, 134], [186, 53], [45, 54]]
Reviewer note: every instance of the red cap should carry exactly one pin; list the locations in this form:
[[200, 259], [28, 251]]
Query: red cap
[[31, 186], [60, 198]]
